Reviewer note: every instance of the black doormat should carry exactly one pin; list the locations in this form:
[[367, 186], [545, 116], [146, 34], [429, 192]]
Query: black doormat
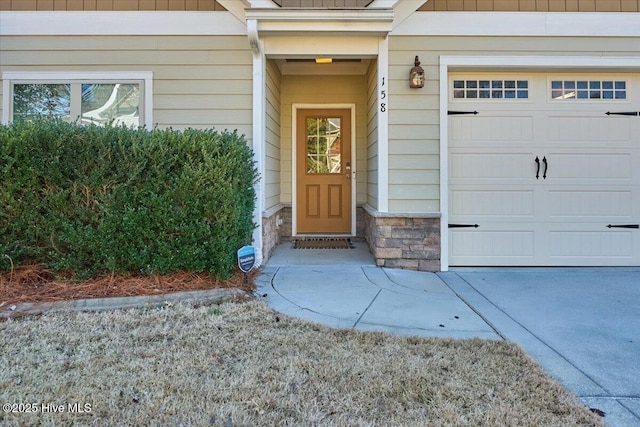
[[323, 243]]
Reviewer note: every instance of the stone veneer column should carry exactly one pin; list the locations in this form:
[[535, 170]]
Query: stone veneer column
[[276, 227], [404, 240]]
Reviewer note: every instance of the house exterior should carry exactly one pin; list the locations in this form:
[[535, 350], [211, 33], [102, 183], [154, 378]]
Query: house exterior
[[521, 149]]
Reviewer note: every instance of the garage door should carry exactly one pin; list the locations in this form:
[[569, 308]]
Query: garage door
[[544, 170]]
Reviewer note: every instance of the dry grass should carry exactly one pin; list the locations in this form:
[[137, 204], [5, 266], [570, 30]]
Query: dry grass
[[245, 365]]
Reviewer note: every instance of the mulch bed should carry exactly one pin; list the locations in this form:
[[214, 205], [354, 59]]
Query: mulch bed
[[35, 283]]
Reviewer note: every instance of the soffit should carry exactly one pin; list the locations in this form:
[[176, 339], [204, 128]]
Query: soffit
[[307, 66]]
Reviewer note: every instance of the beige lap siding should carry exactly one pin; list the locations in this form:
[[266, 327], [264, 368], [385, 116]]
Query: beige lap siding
[[114, 5], [198, 82], [414, 114], [273, 153]]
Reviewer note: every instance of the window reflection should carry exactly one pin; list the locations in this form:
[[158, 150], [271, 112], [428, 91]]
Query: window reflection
[[588, 89], [491, 89], [100, 103], [323, 145], [33, 100], [110, 103]]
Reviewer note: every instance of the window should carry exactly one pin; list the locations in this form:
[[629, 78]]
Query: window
[[491, 89], [323, 145], [89, 98], [588, 89]]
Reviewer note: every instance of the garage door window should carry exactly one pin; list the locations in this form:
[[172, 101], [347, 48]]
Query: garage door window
[[588, 89], [491, 89]]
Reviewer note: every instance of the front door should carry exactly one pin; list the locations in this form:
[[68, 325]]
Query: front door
[[323, 171]]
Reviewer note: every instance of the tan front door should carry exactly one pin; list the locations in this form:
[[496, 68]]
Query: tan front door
[[323, 158]]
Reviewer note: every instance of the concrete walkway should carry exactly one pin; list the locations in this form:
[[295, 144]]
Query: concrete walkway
[[372, 299], [581, 325], [343, 288]]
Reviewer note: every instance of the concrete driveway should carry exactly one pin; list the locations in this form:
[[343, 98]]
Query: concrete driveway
[[582, 325]]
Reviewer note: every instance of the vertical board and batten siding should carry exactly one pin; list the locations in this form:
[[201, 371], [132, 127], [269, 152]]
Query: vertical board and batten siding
[[372, 136], [533, 5], [308, 89], [114, 5], [414, 137], [273, 157], [198, 82]]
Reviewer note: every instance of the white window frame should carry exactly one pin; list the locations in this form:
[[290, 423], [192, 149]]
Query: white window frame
[[491, 89], [143, 78], [589, 79]]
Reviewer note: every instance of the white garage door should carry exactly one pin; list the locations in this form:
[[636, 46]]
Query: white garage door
[[547, 172]]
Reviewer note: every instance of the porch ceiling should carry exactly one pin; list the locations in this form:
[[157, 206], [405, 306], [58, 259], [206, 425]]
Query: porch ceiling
[[307, 66]]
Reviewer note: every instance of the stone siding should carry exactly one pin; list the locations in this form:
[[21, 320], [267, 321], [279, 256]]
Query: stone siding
[[395, 240], [276, 228], [270, 235], [403, 240]]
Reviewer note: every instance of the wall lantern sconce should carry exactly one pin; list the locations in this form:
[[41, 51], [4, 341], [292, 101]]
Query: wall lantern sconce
[[416, 77]]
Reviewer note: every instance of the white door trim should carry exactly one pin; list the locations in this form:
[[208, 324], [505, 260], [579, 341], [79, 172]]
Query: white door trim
[[535, 63], [354, 167]]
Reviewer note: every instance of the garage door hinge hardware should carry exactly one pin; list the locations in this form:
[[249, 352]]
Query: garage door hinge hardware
[[624, 113], [624, 226], [463, 226], [457, 113]]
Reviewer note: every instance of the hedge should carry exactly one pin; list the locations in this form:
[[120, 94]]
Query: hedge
[[91, 200]]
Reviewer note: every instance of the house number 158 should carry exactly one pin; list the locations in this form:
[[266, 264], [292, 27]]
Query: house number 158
[[383, 95]]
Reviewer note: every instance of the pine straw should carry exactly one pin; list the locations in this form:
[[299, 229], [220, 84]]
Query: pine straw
[[242, 364], [35, 283]]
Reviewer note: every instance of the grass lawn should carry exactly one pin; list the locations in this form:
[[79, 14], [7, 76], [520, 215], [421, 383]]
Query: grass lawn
[[241, 364]]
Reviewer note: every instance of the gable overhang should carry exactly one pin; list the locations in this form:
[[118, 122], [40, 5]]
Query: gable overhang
[[295, 22]]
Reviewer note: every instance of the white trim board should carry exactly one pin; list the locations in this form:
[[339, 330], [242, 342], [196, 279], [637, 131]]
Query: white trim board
[[259, 108], [106, 23], [532, 63], [383, 125], [553, 24], [354, 167]]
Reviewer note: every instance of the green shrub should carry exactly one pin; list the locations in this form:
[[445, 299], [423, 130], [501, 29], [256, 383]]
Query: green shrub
[[92, 200]]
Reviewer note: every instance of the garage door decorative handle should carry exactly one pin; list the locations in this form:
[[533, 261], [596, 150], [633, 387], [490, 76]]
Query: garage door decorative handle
[[538, 168], [546, 166], [463, 226], [624, 226]]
